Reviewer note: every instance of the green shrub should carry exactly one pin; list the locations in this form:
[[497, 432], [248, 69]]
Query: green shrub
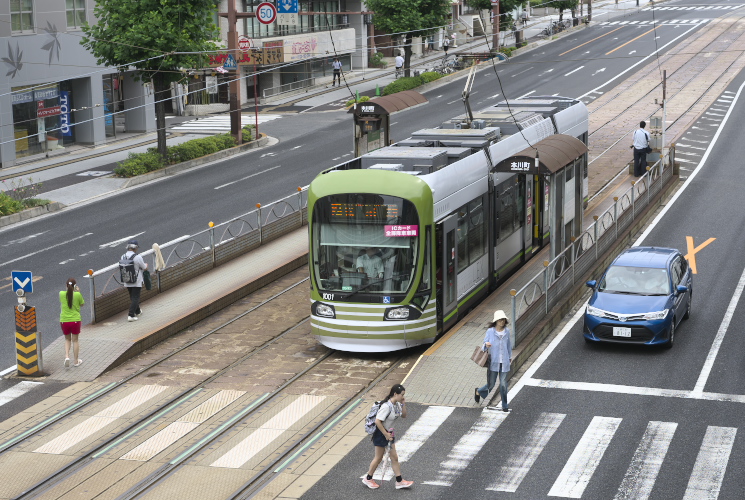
[[248, 133], [8, 205], [402, 84], [364, 98], [376, 61], [430, 76], [139, 163]]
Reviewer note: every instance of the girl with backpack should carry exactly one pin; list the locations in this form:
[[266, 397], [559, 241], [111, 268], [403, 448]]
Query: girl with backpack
[[497, 342], [391, 408], [70, 302]]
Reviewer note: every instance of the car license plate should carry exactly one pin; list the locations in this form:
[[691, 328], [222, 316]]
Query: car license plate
[[619, 331]]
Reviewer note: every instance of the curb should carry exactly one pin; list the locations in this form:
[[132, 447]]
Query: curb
[[29, 213], [180, 167]]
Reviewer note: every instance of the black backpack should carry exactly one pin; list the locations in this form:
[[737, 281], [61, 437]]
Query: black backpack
[[128, 271]]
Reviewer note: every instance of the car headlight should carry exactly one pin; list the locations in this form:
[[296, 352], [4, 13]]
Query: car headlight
[[398, 313], [656, 315], [324, 310], [594, 311]]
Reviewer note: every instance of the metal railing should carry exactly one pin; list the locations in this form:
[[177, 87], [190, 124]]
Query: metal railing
[[288, 87], [532, 302], [209, 248]]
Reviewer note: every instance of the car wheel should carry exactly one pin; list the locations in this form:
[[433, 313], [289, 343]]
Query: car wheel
[[671, 337], [688, 309]]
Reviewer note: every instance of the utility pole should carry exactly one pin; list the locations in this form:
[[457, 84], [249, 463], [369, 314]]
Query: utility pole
[[589, 10], [495, 24], [664, 114], [234, 89]]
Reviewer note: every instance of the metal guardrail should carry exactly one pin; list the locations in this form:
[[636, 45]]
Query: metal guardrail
[[535, 299], [208, 241], [288, 87]]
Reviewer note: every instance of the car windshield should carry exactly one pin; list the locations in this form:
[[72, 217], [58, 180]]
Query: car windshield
[[635, 280]]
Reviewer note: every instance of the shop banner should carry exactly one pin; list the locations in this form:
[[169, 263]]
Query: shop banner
[[65, 119], [42, 112], [40, 95], [21, 97]]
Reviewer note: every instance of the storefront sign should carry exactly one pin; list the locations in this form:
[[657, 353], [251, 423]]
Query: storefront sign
[[271, 53], [40, 95], [398, 231], [302, 48], [65, 121], [42, 112], [21, 97]]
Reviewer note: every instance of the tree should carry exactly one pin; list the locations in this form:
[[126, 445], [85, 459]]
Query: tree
[[505, 8], [410, 17], [148, 31], [563, 5]]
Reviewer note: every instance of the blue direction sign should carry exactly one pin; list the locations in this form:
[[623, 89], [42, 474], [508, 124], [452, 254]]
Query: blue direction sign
[[287, 7], [22, 280], [230, 62]]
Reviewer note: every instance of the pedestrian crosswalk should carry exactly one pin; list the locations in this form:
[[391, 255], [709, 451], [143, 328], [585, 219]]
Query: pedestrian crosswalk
[[16, 391], [587, 447], [220, 124], [658, 22], [694, 7]]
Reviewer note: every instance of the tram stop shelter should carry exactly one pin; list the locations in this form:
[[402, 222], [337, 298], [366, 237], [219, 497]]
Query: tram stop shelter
[[372, 126], [553, 170]]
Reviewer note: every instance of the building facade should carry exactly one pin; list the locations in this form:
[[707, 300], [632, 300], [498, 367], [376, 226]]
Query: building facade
[[52, 92]]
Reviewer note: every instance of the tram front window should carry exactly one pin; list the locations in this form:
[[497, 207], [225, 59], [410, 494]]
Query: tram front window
[[364, 243]]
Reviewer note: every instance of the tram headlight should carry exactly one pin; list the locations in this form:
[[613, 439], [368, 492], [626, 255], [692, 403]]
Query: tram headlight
[[325, 310], [397, 313]]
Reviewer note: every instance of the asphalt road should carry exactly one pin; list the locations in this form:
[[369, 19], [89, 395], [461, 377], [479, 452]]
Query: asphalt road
[[609, 421], [91, 235]]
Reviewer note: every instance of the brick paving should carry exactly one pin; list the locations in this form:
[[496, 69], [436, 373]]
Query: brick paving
[[697, 73]]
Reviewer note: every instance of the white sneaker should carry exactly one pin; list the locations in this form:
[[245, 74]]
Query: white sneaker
[[80, 362], [131, 318], [67, 362], [139, 313]]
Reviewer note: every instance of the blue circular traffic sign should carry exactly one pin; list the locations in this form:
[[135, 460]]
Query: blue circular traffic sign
[[266, 13]]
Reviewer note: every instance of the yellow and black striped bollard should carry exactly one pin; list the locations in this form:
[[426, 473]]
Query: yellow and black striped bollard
[[28, 342]]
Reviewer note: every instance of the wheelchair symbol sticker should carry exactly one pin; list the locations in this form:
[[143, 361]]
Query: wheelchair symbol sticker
[[386, 300]]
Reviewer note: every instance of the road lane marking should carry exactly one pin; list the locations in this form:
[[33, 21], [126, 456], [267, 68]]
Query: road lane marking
[[468, 446], [574, 71], [16, 391], [691, 255], [419, 432], [632, 40], [711, 463], [526, 95], [24, 239], [45, 249], [641, 475], [523, 71], [93, 424], [521, 460], [576, 474], [259, 439], [248, 177], [118, 242], [578, 46]]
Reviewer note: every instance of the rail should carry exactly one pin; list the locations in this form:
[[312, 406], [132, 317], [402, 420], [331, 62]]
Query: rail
[[187, 256], [534, 300]]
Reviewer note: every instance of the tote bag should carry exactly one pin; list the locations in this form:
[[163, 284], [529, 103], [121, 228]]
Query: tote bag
[[480, 357]]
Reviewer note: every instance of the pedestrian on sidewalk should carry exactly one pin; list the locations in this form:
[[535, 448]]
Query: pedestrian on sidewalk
[[641, 147], [399, 65], [391, 408], [134, 285], [69, 319], [337, 71], [446, 45], [524, 17], [497, 341], [430, 44]]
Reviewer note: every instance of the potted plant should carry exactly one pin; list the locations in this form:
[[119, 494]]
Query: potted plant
[[52, 141]]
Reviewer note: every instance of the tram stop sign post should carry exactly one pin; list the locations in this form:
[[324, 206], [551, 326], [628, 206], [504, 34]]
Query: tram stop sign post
[[27, 338]]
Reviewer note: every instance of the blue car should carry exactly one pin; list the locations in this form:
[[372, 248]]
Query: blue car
[[640, 299]]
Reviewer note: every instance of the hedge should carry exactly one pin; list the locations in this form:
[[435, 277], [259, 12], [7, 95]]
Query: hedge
[[142, 163], [411, 82], [9, 205]]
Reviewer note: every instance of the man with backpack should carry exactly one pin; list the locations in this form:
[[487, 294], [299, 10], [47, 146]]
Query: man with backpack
[[131, 267]]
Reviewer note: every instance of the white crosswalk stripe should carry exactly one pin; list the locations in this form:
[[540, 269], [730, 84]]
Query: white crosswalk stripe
[[519, 463], [639, 480], [16, 391], [711, 462], [221, 123], [659, 23], [576, 474], [695, 7]]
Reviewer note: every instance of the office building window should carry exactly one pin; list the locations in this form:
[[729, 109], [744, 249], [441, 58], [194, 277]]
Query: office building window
[[75, 13], [21, 16]]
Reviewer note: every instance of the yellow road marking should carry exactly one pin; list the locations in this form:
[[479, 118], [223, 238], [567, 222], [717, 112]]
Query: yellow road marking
[[691, 255], [578, 46], [625, 44], [9, 285]]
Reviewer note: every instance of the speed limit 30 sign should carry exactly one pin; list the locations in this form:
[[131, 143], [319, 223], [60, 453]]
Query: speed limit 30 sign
[[266, 13]]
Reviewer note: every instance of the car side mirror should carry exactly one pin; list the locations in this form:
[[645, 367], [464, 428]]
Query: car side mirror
[[592, 284], [682, 289]]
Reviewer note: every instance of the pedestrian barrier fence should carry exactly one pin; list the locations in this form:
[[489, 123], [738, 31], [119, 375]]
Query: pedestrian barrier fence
[[191, 255], [288, 87], [532, 302]]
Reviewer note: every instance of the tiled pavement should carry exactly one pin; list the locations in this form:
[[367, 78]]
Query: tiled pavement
[[695, 79]]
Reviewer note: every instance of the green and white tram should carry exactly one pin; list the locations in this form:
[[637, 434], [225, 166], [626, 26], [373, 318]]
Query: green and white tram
[[406, 239]]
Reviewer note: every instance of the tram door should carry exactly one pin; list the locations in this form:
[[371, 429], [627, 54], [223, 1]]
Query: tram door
[[447, 256], [535, 209]]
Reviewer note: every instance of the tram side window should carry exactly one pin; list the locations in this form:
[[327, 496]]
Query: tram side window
[[426, 271], [471, 233], [507, 212]]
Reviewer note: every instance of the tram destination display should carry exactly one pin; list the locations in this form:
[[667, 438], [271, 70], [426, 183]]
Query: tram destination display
[[363, 211]]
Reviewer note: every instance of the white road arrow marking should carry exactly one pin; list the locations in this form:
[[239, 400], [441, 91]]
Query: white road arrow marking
[[598, 71], [547, 71], [24, 239], [632, 52], [574, 71], [112, 244], [268, 154], [22, 283]]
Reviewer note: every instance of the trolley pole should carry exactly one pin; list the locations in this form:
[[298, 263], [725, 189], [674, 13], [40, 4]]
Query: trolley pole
[[664, 114]]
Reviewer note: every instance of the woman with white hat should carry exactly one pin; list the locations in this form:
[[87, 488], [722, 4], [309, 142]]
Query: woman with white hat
[[497, 341]]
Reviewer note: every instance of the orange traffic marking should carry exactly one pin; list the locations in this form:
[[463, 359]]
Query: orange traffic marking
[[625, 44], [578, 46], [691, 255]]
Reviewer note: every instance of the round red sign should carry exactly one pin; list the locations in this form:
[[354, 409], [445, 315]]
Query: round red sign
[[266, 13], [244, 43]]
